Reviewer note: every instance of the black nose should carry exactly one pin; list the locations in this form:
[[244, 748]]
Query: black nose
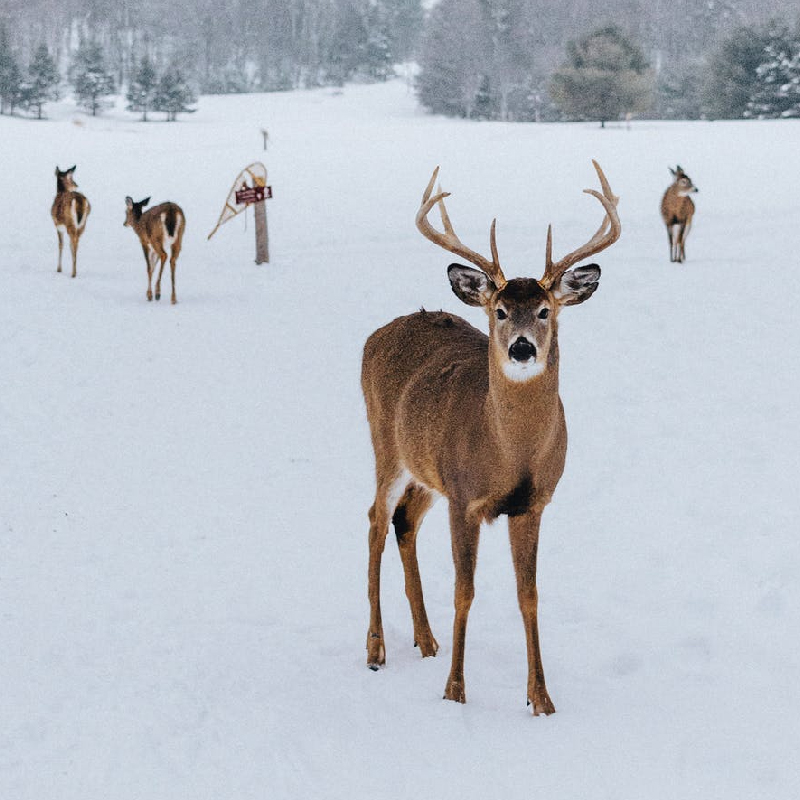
[[522, 350]]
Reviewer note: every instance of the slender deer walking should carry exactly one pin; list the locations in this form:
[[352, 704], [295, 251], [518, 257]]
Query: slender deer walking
[[69, 211], [474, 418], [677, 210], [159, 229]]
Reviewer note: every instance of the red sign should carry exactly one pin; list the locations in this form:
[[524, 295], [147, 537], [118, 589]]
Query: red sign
[[253, 194]]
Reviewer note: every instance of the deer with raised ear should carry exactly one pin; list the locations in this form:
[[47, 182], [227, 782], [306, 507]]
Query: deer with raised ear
[[69, 211], [677, 210], [159, 229], [477, 419]]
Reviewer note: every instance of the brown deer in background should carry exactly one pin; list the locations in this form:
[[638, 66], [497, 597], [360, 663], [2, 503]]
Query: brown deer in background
[[159, 228], [69, 211], [474, 418], [677, 210]]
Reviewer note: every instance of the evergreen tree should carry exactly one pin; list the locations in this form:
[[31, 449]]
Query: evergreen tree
[[10, 75], [142, 88], [406, 18], [605, 76], [43, 80], [174, 94], [90, 79], [777, 93], [453, 59], [378, 47], [732, 78]]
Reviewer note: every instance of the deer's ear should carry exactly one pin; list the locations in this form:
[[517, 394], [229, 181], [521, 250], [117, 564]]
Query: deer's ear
[[145, 202], [129, 202], [672, 170], [72, 168], [471, 286], [577, 285]]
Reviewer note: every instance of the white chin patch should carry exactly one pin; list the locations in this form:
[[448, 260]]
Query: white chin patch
[[521, 371]]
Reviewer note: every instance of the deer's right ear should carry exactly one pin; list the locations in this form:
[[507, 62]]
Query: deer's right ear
[[129, 202], [471, 286]]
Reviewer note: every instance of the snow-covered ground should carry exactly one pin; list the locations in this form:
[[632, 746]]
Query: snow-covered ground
[[183, 530]]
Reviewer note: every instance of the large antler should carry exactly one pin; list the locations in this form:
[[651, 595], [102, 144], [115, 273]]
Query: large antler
[[449, 241], [606, 235]]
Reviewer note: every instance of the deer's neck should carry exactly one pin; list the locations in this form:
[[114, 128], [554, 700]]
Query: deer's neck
[[523, 415]]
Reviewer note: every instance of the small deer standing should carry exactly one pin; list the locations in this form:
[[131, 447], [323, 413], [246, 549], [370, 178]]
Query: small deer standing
[[159, 228], [677, 210], [474, 418], [70, 211]]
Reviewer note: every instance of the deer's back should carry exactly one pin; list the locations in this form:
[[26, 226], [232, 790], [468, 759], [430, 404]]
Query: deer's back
[[62, 209], [430, 347], [676, 209], [425, 381], [164, 218]]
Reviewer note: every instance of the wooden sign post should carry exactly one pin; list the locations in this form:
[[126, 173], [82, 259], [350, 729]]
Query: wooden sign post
[[256, 196], [243, 195]]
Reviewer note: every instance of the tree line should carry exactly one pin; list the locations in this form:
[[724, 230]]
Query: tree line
[[488, 59], [479, 59]]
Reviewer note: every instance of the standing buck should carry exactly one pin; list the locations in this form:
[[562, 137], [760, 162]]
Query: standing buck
[[476, 419], [677, 210], [70, 211], [159, 228]]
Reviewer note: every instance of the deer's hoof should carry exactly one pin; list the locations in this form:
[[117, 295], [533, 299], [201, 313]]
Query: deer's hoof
[[428, 646], [540, 703], [376, 652], [455, 691]]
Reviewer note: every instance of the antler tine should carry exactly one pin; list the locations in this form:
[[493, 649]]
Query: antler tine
[[449, 240], [604, 237]]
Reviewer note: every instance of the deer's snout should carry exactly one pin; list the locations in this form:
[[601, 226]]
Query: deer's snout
[[522, 350]]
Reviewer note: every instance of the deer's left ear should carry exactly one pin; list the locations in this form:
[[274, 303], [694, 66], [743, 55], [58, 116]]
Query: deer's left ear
[[72, 168], [577, 285], [129, 202]]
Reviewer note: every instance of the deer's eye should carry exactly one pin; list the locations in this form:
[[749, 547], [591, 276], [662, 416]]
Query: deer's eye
[[501, 314], [544, 313]]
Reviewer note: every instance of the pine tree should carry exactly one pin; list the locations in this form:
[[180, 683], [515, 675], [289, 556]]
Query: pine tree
[[142, 88], [378, 47], [174, 94], [605, 76], [777, 93], [90, 79], [43, 80], [10, 75], [454, 55], [732, 78]]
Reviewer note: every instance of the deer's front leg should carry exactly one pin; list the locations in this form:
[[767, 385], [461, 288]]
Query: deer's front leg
[[464, 533], [524, 535]]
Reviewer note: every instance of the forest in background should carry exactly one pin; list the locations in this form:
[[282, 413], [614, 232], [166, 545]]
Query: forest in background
[[486, 59]]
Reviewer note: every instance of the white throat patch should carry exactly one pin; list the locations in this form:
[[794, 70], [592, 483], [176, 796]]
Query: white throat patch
[[521, 371]]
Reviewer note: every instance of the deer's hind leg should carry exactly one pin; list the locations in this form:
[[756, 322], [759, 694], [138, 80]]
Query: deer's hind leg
[[391, 487], [73, 246], [173, 259], [149, 259], [161, 255], [60, 247], [407, 518]]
